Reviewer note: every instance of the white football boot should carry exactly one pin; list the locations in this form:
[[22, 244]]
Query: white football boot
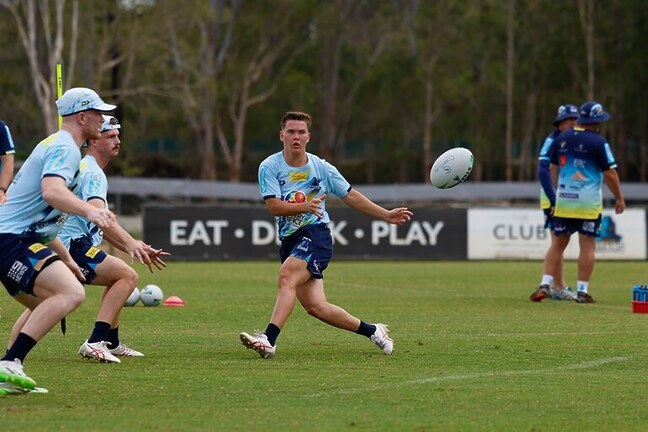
[[125, 351], [382, 339], [259, 343], [98, 351]]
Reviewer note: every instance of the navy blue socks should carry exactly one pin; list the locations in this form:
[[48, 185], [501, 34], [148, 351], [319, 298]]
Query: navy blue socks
[[20, 348], [272, 332], [366, 329], [100, 332]]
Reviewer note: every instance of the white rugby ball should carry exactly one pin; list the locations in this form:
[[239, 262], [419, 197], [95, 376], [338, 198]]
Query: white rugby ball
[[151, 295], [133, 298], [451, 168]]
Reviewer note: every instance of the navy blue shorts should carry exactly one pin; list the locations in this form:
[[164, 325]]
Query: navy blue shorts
[[313, 244], [87, 257], [548, 217], [569, 226], [22, 258]]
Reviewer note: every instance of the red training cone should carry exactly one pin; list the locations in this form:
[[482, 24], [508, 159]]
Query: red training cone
[[173, 301]]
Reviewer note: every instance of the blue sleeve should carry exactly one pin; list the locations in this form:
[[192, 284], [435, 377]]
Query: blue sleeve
[[544, 174], [6, 142], [338, 185], [268, 183], [62, 162]]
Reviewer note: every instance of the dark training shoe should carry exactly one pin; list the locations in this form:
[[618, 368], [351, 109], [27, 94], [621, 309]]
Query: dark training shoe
[[583, 297], [540, 294]]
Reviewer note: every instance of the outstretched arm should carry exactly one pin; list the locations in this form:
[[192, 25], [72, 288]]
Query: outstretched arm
[[137, 249], [357, 201]]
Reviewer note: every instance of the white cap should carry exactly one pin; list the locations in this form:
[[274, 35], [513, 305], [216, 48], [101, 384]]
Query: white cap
[[109, 123], [81, 99]]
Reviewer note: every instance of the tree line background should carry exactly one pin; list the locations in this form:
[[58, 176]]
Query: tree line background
[[202, 84]]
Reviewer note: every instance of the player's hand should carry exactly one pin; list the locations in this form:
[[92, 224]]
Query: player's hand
[[619, 206], [103, 218], [156, 261], [315, 206], [74, 267], [399, 215], [3, 197]]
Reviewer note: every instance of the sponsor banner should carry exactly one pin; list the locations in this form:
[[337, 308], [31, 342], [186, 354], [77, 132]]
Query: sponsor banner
[[214, 233], [520, 234]]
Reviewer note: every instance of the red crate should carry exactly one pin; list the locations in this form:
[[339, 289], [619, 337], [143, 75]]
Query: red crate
[[639, 307]]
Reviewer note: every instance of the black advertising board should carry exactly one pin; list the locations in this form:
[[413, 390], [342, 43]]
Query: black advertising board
[[249, 233]]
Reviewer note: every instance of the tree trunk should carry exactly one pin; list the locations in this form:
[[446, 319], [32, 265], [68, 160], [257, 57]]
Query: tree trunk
[[510, 77]]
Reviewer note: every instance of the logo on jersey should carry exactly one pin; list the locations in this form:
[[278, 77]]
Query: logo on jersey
[[578, 176], [93, 185], [17, 271], [56, 161], [295, 197], [298, 176]]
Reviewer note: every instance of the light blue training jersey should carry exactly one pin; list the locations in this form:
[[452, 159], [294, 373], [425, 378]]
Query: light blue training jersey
[[26, 211], [277, 179], [93, 184]]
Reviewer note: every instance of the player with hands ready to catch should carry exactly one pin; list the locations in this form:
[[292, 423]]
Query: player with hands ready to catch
[[34, 267]]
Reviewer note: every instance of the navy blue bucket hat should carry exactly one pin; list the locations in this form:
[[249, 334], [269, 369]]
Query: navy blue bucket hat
[[565, 111], [591, 113]]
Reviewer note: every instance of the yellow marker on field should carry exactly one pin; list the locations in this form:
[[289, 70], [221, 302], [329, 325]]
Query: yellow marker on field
[[59, 89]]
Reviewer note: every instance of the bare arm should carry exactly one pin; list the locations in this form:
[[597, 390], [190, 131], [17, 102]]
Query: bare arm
[[357, 201], [137, 249], [612, 181], [57, 246], [6, 175], [56, 193]]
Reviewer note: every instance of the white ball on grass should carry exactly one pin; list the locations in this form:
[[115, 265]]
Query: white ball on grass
[[151, 295], [133, 298]]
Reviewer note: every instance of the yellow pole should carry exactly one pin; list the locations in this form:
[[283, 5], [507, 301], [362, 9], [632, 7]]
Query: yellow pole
[[59, 89]]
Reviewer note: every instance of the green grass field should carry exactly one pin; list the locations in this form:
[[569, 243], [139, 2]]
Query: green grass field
[[471, 353]]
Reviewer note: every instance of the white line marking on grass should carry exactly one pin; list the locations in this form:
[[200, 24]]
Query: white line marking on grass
[[548, 334], [575, 366]]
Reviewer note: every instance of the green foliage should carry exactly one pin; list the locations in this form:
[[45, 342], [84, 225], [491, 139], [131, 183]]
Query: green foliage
[[459, 48], [471, 353]]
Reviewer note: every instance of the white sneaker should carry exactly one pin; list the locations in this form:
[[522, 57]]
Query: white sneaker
[[125, 351], [97, 351], [563, 294], [259, 343], [12, 372], [382, 339]]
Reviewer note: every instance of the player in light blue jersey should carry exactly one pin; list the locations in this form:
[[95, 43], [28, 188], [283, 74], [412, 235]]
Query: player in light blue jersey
[[581, 160], [83, 238], [294, 185], [7, 151], [35, 268], [553, 285]]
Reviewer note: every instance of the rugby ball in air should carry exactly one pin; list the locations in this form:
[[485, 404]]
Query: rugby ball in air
[[451, 168]]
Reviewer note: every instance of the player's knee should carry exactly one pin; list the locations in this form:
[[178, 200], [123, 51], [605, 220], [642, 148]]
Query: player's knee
[[75, 296], [317, 310], [132, 277]]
